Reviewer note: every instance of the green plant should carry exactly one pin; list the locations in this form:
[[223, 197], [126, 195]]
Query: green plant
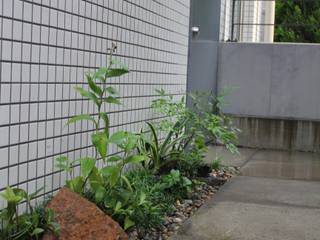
[[132, 206], [176, 184], [160, 153], [30, 225], [211, 121], [100, 181], [216, 164], [174, 110], [143, 205], [297, 21], [108, 187], [187, 131]]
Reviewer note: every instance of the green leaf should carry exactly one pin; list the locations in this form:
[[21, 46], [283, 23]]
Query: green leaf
[[117, 72], [81, 118], [143, 197], [100, 194], [95, 179], [128, 223], [126, 180], [112, 173], [115, 62], [161, 92], [105, 118], [117, 207], [76, 184], [10, 196], [55, 228], [131, 143], [37, 231], [112, 100], [93, 86], [101, 74], [89, 95], [154, 134], [87, 165], [100, 141], [135, 159], [50, 215], [115, 158], [118, 138], [112, 91]]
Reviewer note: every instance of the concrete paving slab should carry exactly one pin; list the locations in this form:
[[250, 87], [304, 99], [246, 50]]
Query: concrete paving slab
[[263, 208], [248, 221], [281, 170], [270, 191], [282, 164], [229, 159]]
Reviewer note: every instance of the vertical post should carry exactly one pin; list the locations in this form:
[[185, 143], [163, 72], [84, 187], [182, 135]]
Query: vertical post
[[232, 19], [270, 21], [203, 47]]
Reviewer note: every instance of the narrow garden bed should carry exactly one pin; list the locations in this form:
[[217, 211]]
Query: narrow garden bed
[[154, 183]]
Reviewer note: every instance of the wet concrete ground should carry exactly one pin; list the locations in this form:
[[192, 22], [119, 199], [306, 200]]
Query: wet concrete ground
[[277, 197]]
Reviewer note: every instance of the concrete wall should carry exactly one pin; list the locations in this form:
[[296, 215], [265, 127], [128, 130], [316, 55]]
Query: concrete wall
[[283, 134], [278, 81], [203, 53], [276, 97]]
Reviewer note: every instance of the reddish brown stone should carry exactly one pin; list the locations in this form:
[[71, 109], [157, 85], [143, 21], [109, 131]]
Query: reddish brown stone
[[81, 219]]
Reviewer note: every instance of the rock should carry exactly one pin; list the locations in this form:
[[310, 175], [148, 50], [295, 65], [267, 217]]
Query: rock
[[177, 220], [81, 219], [214, 181], [180, 215], [189, 209], [188, 201]]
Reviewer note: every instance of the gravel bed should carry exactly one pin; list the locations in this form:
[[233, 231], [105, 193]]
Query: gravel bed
[[184, 209]]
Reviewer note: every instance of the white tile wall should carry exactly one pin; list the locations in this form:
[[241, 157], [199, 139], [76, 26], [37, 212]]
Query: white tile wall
[[47, 46]]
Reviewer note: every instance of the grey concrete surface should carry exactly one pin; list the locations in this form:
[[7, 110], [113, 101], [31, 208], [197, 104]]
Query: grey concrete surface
[[284, 165], [262, 208], [203, 47], [271, 80], [249, 221], [270, 191], [202, 65], [285, 134], [227, 158]]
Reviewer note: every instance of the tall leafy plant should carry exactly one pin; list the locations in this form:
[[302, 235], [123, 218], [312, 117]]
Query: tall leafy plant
[[100, 180], [211, 121]]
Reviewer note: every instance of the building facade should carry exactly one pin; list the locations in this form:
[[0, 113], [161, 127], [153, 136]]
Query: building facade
[[247, 21]]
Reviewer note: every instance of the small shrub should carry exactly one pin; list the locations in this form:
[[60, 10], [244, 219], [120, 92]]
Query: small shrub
[[216, 164], [30, 225], [187, 131], [143, 205], [176, 185], [161, 154]]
